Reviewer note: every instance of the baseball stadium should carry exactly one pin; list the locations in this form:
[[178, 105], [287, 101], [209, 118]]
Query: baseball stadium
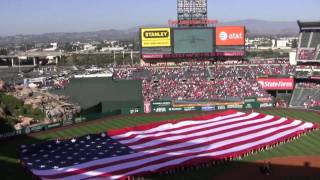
[[193, 109]]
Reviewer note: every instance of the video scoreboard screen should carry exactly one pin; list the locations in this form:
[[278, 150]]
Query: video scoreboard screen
[[193, 40]]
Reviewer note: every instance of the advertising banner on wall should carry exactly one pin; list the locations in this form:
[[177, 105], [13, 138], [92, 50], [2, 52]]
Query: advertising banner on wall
[[167, 106], [161, 104], [230, 36], [155, 37], [276, 83]]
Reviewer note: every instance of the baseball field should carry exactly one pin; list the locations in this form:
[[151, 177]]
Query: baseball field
[[298, 159]]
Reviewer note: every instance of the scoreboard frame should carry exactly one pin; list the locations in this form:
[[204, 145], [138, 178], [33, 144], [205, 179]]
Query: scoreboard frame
[[173, 55]]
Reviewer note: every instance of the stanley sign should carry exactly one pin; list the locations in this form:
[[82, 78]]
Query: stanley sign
[[155, 37], [156, 34]]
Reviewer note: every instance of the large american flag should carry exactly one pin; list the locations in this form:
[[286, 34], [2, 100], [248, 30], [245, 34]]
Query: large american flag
[[155, 147]]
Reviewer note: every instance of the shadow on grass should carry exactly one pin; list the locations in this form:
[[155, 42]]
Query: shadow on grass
[[10, 167], [243, 170]]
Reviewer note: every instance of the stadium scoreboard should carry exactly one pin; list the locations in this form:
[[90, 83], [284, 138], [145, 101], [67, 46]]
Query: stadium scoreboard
[[193, 42]]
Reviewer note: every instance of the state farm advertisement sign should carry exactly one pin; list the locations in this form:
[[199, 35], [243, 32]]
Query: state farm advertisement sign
[[276, 83], [230, 36]]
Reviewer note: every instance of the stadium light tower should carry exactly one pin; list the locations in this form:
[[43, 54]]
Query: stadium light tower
[[192, 11]]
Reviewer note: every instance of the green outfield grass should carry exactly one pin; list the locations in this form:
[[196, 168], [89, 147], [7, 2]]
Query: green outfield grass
[[11, 169]]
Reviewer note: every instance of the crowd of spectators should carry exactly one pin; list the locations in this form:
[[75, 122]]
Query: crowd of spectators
[[201, 82], [307, 54], [313, 103], [261, 70]]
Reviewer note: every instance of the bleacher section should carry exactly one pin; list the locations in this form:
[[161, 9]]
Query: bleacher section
[[309, 42], [303, 96], [315, 40], [303, 74], [296, 98], [197, 72], [284, 97], [141, 74], [195, 83], [305, 39]]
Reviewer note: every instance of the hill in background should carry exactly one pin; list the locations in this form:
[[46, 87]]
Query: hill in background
[[255, 27], [259, 27]]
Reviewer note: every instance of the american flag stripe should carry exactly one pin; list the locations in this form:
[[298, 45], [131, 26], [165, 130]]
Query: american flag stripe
[[136, 139], [212, 133], [226, 135], [150, 142], [171, 127], [176, 158]]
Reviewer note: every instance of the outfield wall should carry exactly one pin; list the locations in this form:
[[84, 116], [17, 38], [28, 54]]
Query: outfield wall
[[111, 109], [81, 118], [89, 92], [98, 98]]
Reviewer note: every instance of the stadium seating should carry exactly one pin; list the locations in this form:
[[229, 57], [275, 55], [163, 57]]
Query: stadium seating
[[201, 83], [305, 39], [315, 40], [305, 95], [303, 74], [141, 74]]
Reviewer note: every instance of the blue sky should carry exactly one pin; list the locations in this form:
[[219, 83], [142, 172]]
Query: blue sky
[[41, 16]]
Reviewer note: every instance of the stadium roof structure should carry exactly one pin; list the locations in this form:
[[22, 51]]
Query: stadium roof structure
[[309, 25]]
